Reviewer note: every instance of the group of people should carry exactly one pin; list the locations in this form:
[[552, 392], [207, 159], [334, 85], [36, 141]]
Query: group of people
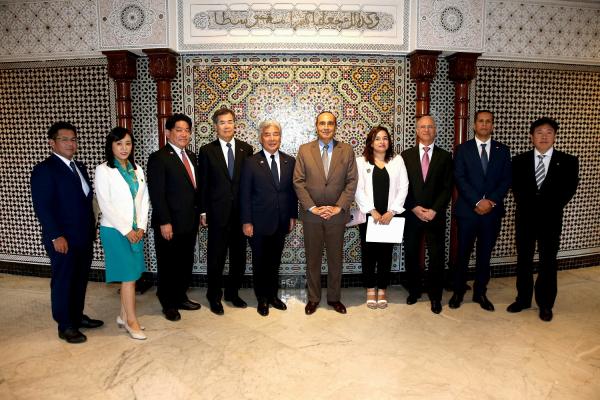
[[244, 197]]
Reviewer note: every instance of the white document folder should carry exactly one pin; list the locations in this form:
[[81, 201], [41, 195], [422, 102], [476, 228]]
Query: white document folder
[[392, 233]]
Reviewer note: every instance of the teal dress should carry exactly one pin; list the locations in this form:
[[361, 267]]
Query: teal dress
[[124, 261]]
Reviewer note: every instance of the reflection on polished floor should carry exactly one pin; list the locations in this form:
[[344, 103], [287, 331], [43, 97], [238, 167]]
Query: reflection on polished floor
[[403, 352]]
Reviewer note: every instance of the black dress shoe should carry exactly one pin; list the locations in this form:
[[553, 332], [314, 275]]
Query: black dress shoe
[[516, 307], [87, 322], [278, 304], [189, 305], [338, 306], [72, 335], [216, 307], [546, 314], [436, 306], [455, 300], [172, 314], [484, 302], [263, 308], [412, 299], [310, 308], [236, 301]]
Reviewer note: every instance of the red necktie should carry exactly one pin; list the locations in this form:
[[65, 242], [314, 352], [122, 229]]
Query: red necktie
[[188, 168]]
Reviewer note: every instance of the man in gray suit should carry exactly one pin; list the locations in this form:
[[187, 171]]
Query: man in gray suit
[[325, 179]]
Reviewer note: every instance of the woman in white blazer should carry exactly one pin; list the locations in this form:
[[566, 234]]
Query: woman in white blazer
[[381, 191], [123, 200]]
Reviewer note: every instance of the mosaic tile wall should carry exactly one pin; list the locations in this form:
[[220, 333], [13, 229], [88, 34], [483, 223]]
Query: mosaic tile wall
[[35, 95], [362, 91], [519, 93]]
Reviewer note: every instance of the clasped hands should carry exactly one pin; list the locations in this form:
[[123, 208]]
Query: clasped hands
[[382, 219], [326, 212], [135, 235], [424, 214], [484, 206]]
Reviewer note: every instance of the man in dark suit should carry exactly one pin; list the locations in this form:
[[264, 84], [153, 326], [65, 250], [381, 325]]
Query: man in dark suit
[[482, 172], [269, 209], [544, 180], [173, 187], [325, 179], [221, 164], [429, 170], [62, 200]]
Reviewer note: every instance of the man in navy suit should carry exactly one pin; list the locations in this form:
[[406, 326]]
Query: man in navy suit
[[482, 172], [544, 180], [221, 164], [173, 187], [429, 170], [269, 210], [62, 200]]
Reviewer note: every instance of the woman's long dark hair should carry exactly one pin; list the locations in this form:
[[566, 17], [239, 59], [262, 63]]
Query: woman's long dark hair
[[368, 152], [115, 135]]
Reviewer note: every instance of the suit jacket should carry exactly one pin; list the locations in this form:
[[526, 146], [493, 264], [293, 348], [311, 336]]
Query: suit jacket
[[397, 190], [473, 185], [314, 189], [264, 204], [60, 204], [557, 189], [115, 201], [220, 193], [174, 199], [436, 190]]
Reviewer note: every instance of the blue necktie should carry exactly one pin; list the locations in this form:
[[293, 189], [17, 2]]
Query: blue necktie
[[484, 158], [274, 170], [230, 161], [72, 164]]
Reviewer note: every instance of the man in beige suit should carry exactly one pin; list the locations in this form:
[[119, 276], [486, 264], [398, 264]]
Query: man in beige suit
[[325, 179]]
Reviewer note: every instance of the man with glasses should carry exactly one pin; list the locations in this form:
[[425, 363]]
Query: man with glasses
[[173, 188], [62, 200]]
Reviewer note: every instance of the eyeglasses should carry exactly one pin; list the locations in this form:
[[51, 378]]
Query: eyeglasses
[[180, 130], [64, 139]]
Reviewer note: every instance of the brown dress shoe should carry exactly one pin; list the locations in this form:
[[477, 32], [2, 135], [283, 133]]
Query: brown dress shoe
[[311, 307], [338, 306]]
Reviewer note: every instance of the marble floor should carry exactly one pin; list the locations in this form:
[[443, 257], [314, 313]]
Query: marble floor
[[403, 352]]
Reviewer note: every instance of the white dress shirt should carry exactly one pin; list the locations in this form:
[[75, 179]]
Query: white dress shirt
[[545, 160]]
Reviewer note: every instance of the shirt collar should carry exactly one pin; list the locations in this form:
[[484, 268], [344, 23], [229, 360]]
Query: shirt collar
[[177, 149], [480, 142], [321, 145], [224, 143], [268, 155], [63, 159], [548, 153]]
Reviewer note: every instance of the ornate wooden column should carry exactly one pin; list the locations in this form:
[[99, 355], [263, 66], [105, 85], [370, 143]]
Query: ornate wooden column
[[462, 69], [163, 69], [122, 68], [423, 64]]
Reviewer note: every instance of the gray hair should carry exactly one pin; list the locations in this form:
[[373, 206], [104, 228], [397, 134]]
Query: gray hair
[[267, 123]]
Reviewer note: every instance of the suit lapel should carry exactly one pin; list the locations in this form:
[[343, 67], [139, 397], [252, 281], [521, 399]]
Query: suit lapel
[[285, 169], [264, 164], [336, 157], [170, 152], [317, 157], [239, 156], [218, 154]]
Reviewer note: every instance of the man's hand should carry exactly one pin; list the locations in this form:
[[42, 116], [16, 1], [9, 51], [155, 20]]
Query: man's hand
[[484, 206], [248, 229], [203, 220], [421, 213], [292, 224], [61, 245], [430, 214], [166, 231]]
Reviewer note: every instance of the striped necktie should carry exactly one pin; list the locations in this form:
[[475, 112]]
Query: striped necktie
[[540, 171]]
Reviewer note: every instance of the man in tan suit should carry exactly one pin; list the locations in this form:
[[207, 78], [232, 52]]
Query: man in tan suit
[[325, 179]]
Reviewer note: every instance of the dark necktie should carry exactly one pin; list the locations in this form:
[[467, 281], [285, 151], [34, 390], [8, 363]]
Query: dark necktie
[[230, 161], [274, 170], [484, 158], [72, 164]]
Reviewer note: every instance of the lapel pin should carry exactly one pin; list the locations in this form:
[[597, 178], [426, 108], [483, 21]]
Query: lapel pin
[[262, 162], [368, 170]]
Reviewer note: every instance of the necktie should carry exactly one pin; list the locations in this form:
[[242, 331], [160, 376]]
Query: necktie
[[188, 168], [274, 170], [425, 162], [72, 164], [325, 158], [484, 158], [540, 171], [230, 161], [84, 185]]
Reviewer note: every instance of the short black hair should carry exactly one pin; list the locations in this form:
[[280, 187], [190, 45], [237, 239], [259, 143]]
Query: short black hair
[[53, 130], [543, 121], [482, 111], [222, 111], [115, 135], [170, 124]]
